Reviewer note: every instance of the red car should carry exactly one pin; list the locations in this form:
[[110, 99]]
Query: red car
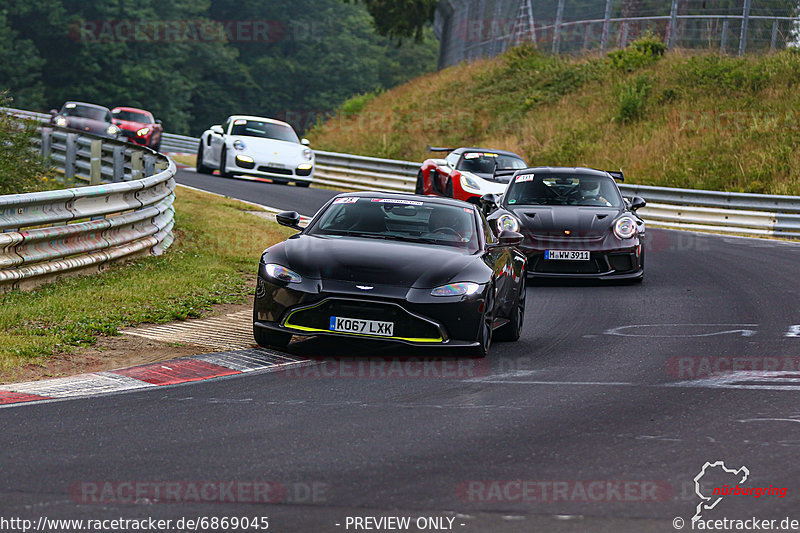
[[468, 173], [138, 126]]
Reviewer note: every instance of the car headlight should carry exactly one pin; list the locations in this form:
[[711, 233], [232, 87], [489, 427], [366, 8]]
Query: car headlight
[[61, 121], [238, 145], [469, 183], [281, 273], [625, 227], [308, 154], [456, 289], [507, 222], [112, 130], [142, 132]]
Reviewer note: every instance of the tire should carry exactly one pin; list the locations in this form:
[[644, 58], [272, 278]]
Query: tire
[[279, 181], [420, 187], [448, 189], [302, 183], [266, 338], [223, 170], [485, 330], [511, 331], [201, 168]]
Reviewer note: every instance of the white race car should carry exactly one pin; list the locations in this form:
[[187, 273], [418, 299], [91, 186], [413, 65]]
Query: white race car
[[256, 146]]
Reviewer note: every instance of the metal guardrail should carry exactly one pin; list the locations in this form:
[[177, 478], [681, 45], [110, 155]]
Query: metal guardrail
[[47, 235], [689, 209]]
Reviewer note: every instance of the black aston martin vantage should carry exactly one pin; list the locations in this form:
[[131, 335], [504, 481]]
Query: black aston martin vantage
[[575, 223], [419, 270]]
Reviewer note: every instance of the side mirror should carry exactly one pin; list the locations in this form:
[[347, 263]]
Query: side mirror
[[158, 121], [510, 238], [216, 128], [305, 142], [289, 219], [489, 203], [637, 202], [54, 111]]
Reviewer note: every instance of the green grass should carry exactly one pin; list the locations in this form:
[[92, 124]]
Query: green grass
[[216, 250], [697, 120]]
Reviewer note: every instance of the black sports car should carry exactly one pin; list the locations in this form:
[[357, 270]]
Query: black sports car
[[419, 270], [575, 223]]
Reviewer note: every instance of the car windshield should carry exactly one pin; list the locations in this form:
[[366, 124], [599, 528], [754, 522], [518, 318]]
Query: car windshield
[[563, 189], [484, 162], [399, 219], [266, 130], [75, 110], [131, 116]]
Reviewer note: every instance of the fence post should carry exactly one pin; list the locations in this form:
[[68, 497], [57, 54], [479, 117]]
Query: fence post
[[724, 39], [606, 17], [119, 163], [95, 162], [136, 165], [673, 25], [47, 139], [774, 41], [624, 41], [586, 33], [71, 149], [557, 27], [743, 34]]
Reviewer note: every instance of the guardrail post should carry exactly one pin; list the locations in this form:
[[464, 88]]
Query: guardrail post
[[137, 165], [149, 165], [774, 41], [70, 153], [724, 39], [95, 162], [118, 159], [557, 27], [47, 138], [743, 34], [672, 29], [606, 18]]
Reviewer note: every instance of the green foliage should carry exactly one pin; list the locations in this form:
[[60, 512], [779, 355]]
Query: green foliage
[[315, 55], [356, 103], [21, 167], [400, 19], [632, 99], [638, 54]]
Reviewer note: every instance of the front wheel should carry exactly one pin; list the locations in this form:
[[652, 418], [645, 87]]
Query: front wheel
[[223, 164], [201, 168], [420, 187], [512, 331], [267, 338], [486, 327], [448, 190], [302, 183]]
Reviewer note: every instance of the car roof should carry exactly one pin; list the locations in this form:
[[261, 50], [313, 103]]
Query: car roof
[[566, 170], [262, 119], [406, 196], [85, 104], [490, 150]]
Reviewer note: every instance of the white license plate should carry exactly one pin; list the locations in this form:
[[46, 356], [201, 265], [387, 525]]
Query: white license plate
[[365, 327], [567, 255]]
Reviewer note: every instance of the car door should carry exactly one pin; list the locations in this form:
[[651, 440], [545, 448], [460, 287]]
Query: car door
[[500, 260]]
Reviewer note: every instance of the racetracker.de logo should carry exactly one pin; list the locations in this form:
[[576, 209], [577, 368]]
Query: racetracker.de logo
[[700, 367], [585, 491], [394, 368], [186, 31]]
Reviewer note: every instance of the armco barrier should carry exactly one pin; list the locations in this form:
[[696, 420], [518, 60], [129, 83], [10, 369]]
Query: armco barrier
[[690, 209], [49, 234]]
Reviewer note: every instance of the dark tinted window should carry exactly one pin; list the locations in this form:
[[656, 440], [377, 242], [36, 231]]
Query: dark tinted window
[[132, 116], [80, 111], [484, 162], [266, 130], [563, 189]]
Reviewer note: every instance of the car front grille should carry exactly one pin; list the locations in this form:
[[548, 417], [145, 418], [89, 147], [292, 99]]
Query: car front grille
[[275, 170], [406, 325]]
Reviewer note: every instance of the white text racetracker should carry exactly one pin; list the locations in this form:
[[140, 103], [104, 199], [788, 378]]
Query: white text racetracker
[[567, 255], [399, 523], [357, 325]]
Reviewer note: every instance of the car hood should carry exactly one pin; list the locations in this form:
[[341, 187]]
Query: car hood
[[373, 261], [581, 221], [488, 185], [271, 148], [130, 125], [87, 124]]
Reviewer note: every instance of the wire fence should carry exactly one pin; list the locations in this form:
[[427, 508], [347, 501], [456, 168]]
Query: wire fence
[[471, 29]]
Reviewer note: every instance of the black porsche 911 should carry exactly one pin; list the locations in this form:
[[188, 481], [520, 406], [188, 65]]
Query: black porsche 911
[[575, 223], [419, 270]]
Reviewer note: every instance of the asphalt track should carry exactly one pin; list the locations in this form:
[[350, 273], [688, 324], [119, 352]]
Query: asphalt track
[[606, 385]]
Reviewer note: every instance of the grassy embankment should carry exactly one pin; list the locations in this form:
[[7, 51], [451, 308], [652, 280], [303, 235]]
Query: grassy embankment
[[216, 250], [677, 119]]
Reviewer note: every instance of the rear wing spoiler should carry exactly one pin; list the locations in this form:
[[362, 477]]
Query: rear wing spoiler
[[439, 149], [617, 175]]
